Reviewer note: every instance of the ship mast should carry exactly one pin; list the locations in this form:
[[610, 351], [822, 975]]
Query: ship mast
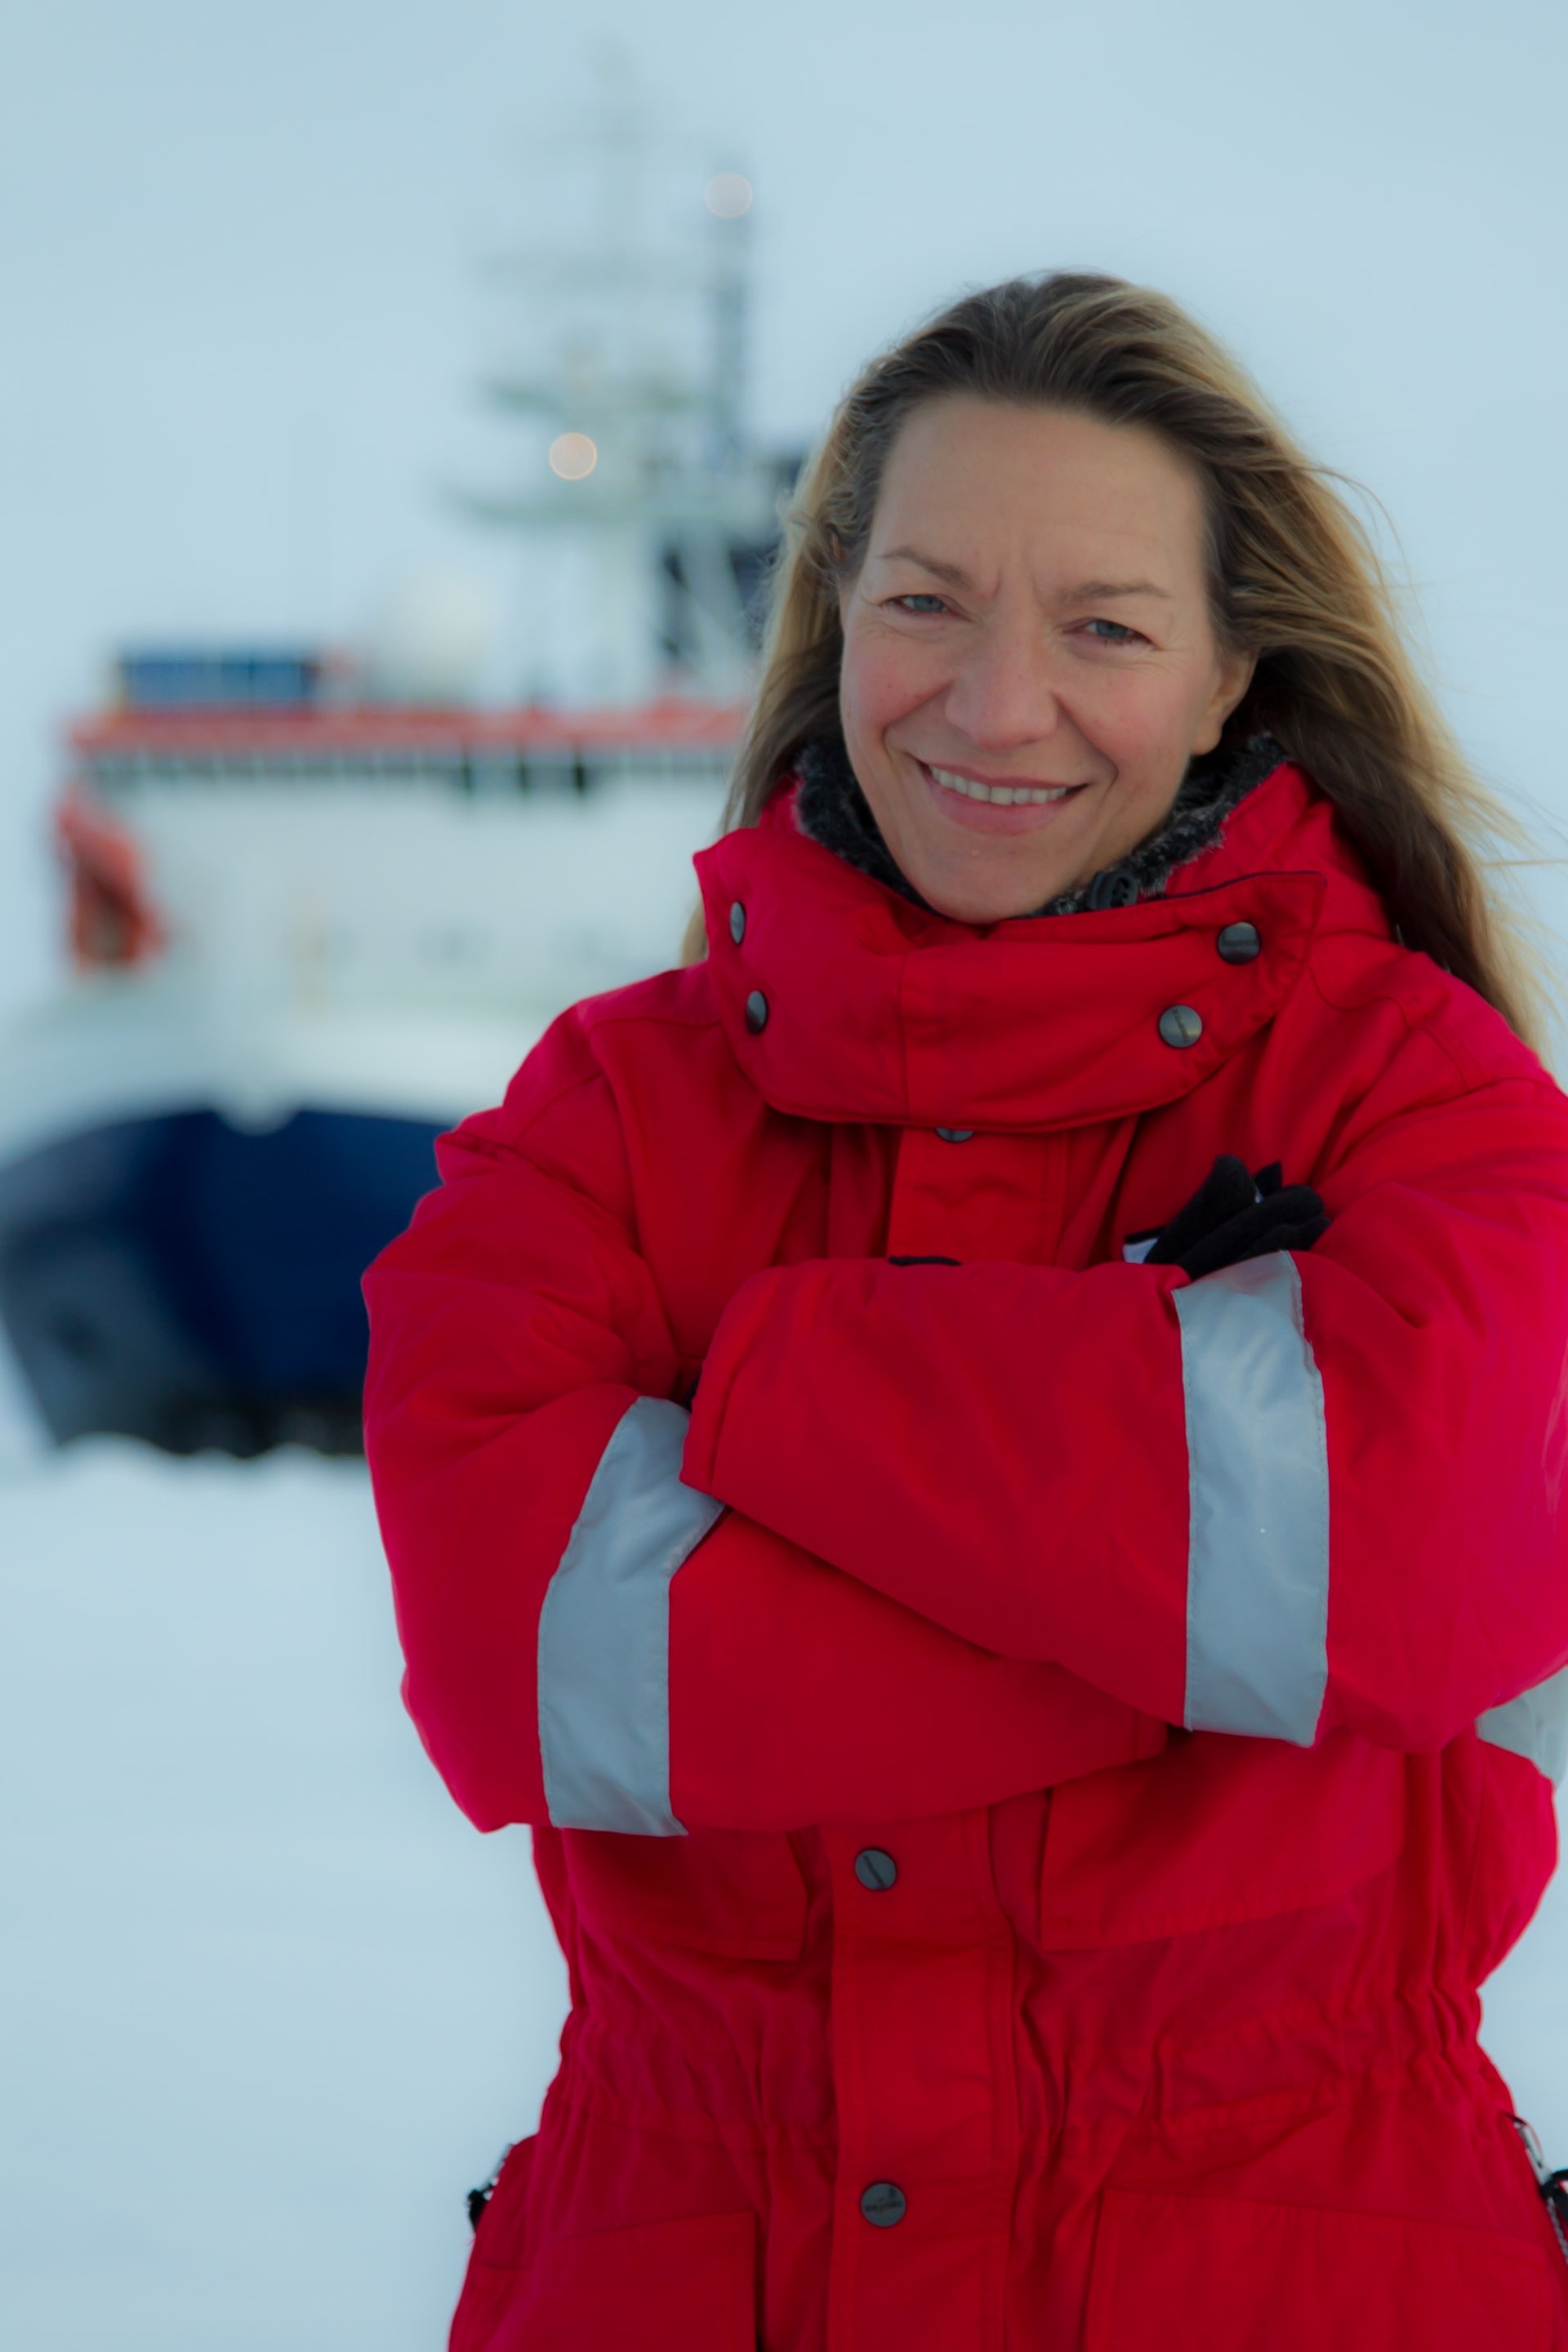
[[629, 371]]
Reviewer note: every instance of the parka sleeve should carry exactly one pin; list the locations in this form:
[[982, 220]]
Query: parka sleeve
[[589, 1642], [1299, 1493]]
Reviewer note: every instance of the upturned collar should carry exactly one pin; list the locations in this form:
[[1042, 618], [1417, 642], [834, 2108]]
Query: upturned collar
[[842, 1001]]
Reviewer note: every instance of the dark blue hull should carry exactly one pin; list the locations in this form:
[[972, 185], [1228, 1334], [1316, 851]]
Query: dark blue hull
[[196, 1285]]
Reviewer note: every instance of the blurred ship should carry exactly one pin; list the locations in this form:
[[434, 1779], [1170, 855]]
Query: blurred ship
[[317, 915]]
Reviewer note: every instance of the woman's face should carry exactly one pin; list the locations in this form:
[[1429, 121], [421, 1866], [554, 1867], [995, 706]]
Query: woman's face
[[1028, 659]]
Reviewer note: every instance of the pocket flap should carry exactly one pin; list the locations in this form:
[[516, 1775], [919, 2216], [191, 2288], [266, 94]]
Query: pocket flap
[[738, 1893], [1215, 1832]]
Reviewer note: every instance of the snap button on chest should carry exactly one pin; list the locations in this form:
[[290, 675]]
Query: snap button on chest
[[1238, 942], [955, 1134], [757, 1012], [875, 1870], [884, 2204], [1180, 1025], [738, 923]]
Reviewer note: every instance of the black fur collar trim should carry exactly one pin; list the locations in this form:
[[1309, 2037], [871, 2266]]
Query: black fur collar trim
[[833, 811]]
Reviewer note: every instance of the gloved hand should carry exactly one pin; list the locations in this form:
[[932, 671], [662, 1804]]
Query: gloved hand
[[1233, 1216]]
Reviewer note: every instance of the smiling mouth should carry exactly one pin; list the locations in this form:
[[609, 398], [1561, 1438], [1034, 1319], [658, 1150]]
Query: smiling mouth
[[999, 795]]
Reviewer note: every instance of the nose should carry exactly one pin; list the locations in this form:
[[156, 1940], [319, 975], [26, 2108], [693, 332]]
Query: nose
[[1002, 696]]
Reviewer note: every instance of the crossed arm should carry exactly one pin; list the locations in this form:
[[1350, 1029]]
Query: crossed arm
[[1034, 1517], [590, 1641], [1301, 1493]]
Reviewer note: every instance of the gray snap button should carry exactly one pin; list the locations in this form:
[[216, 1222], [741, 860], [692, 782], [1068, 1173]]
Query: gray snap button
[[884, 2204], [757, 1012], [1180, 1025], [1238, 942], [1110, 889], [876, 1871], [738, 923], [955, 1134]]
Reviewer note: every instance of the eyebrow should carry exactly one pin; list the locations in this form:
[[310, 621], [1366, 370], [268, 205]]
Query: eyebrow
[[1099, 592], [1084, 592], [953, 573]]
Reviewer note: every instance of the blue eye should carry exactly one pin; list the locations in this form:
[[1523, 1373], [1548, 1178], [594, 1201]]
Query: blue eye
[[920, 600], [1119, 635]]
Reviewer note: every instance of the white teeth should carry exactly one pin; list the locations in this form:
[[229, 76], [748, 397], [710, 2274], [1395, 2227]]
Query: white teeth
[[1001, 795]]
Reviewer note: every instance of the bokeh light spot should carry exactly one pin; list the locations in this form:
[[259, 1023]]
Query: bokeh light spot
[[573, 456], [728, 195]]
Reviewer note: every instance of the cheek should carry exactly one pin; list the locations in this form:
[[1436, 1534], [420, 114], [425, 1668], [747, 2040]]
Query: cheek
[[1137, 719], [882, 680]]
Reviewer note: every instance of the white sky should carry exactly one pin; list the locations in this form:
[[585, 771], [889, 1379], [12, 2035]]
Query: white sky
[[242, 311]]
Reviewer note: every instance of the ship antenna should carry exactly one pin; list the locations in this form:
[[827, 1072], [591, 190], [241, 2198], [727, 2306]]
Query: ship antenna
[[628, 367]]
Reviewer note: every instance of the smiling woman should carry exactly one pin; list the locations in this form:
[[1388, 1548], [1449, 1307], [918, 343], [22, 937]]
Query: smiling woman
[[1128, 418], [986, 1462]]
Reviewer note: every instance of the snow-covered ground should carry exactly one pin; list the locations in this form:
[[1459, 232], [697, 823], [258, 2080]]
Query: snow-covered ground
[[269, 2005]]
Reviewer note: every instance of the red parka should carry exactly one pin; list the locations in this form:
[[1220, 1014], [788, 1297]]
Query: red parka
[[1031, 1770]]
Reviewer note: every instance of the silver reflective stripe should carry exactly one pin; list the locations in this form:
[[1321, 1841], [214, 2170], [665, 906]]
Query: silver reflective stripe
[[1534, 1725], [1257, 1467], [604, 1632]]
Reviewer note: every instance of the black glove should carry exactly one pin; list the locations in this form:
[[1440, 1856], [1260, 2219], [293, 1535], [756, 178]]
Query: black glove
[[1233, 1216]]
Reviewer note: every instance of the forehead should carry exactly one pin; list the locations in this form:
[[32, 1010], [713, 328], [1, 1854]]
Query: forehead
[[976, 481]]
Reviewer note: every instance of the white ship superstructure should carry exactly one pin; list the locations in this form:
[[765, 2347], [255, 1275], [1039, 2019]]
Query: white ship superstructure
[[314, 920]]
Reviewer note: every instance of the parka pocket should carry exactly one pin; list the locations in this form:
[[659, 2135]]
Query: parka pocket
[[1175, 2274], [667, 2286], [741, 1893], [1213, 1832]]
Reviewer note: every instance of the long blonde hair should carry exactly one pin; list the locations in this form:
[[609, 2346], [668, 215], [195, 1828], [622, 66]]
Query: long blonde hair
[[1295, 581]]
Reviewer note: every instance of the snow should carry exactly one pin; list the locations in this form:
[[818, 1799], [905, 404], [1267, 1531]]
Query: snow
[[272, 2006]]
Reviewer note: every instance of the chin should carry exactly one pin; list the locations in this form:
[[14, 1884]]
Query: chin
[[970, 899]]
